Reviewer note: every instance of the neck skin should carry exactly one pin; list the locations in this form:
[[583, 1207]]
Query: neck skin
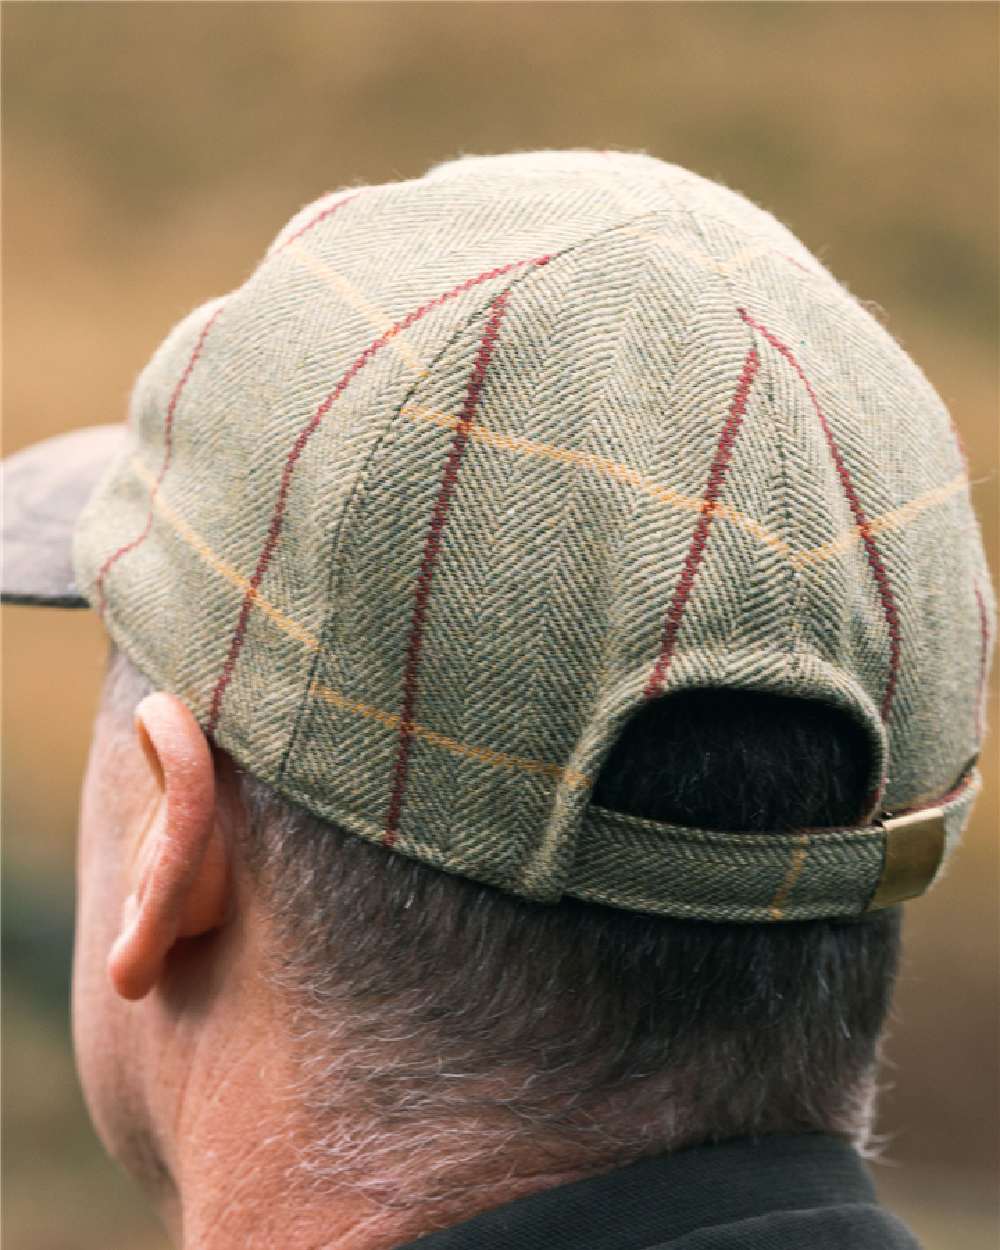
[[231, 1166], [183, 1042], [222, 1133], [229, 1179]]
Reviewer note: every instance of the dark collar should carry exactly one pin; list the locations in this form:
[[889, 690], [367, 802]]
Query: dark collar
[[654, 1200]]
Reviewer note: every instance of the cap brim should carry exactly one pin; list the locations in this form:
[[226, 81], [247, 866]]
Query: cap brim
[[45, 488]]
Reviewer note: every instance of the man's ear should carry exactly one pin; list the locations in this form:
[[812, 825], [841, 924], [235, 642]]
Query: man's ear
[[180, 885]]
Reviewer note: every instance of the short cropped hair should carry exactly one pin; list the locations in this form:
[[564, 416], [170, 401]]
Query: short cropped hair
[[456, 1027]]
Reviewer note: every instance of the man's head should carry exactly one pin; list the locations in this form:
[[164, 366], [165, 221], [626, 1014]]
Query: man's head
[[430, 1035], [556, 629]]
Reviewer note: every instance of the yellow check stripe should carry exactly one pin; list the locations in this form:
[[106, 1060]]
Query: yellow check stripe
[[799, 559], [215, 562], [777, 907], [495, 759], [601, 464], [741, 257], [895, 519], [375, 317], [887, 521]]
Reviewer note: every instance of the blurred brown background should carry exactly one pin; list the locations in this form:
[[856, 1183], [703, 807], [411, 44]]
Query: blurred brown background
[[152, 151]]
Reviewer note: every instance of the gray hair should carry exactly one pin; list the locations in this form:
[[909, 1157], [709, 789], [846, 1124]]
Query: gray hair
[[448, 1034]]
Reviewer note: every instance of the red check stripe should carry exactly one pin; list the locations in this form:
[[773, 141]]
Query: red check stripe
[[314, 221], [692, 562], [882, 583], [305, 434], [172, 406], [432, 547], [168, 447]]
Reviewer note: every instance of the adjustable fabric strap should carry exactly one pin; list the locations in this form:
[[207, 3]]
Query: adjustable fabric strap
[[701, 874]]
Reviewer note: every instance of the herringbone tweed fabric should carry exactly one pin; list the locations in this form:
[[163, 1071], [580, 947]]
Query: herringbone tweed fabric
[[473, 465]]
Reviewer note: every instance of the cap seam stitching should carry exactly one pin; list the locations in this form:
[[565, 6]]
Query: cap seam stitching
[[360, 480]]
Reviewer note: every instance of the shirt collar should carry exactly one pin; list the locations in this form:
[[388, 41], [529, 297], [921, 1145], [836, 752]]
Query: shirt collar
[[656, 1199]]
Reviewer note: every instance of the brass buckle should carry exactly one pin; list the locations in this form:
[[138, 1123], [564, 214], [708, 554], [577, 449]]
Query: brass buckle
[[914, 848]]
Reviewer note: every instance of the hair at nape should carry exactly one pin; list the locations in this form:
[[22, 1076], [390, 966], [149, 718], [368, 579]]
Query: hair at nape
[[445, 1029]]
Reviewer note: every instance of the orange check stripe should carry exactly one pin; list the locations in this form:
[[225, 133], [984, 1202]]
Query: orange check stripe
[[215, 562], [495, 759], [777, 907], [896, 519]]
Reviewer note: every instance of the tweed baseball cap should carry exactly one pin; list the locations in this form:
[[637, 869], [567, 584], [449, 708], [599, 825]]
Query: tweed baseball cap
[[474, 466]]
